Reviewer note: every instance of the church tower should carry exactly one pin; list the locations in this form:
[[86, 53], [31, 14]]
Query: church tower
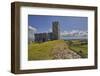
[[56, 30]]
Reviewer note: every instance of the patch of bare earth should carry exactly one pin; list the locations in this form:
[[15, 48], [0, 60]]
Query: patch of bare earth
[[61, 51]]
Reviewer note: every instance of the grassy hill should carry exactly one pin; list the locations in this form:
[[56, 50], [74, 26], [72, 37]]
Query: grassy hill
[[56, 49], [39, 51]]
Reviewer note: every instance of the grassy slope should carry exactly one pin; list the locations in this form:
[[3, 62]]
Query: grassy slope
[[42, 51], [77, 47], [83, 48]]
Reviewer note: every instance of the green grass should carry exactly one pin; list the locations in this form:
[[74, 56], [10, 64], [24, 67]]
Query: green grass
[[79, 47], [42, 51]]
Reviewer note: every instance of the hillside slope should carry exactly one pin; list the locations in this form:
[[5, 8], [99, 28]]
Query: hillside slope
[[56, 49]]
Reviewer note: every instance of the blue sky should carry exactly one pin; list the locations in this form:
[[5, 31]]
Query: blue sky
[[67, 23]]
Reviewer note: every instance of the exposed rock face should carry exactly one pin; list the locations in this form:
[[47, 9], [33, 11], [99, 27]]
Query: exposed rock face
[[61, 51]]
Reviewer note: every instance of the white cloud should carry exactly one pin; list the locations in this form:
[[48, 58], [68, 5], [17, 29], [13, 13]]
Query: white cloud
[[32, 28], [75, 33]]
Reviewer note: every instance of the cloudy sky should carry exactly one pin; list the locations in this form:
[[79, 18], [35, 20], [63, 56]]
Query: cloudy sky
[[42, 23]]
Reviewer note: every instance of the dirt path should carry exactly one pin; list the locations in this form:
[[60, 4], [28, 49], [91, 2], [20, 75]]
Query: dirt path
[[61, 51]]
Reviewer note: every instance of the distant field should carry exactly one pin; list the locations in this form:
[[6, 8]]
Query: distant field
[[57, 49]]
